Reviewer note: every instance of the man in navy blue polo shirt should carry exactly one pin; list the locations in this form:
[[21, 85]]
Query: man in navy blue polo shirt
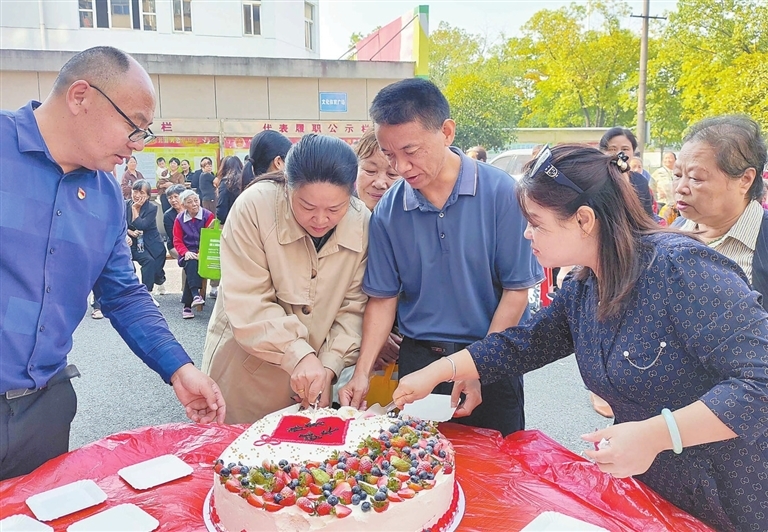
[[446, 254], [62, 235]]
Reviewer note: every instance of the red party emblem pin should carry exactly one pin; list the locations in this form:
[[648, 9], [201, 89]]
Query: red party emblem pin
[[81, 193]]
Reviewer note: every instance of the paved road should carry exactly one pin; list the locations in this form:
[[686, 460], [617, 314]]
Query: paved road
[[118, 392]]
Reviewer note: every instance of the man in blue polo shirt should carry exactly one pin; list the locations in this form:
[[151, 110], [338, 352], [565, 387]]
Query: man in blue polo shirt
[[62, 235], [446, 254]]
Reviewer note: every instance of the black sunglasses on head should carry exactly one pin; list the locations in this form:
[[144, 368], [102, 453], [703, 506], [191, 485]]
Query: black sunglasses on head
[[544, 165]]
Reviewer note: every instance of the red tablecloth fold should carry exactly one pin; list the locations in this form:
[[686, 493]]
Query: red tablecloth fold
[[507, 482]]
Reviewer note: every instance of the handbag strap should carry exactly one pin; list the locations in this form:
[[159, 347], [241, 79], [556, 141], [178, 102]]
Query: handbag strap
[[389, 371]]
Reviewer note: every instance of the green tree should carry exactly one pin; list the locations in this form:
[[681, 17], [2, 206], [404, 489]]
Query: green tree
[[719, 51], [484, 104], [581, 66], [453, 51], [485, 110], [664, 109]]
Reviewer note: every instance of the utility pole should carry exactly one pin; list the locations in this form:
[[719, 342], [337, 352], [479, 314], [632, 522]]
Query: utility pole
[[641, 89], [643, 79]]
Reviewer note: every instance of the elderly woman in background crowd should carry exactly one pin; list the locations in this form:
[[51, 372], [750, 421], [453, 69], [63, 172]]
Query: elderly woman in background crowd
[[169, 216], [172, 177], [289, 314], [186, 240], [146, 243], [661, 179], [663, 327], [374, 174], [130, 176], [718, 189]]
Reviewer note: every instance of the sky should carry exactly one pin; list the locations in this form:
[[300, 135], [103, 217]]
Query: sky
[[339, 19]]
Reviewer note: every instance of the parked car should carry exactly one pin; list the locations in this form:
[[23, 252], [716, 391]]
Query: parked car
[[513, 161]]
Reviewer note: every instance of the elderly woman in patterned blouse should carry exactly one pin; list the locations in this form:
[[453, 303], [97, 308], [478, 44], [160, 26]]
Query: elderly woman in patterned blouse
[[664, 328], [718, 190]]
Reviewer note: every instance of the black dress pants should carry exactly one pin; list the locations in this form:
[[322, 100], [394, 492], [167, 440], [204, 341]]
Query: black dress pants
[[503, 403], [152, 268], [35, 428]]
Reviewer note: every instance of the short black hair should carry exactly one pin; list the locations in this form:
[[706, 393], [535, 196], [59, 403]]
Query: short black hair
[[160, 159], [411, 100], [618, 132], [174, 159], [265, 146], [103, 66], [321, 159]]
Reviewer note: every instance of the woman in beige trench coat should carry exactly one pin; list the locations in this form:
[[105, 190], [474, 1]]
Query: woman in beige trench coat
[[289, 313]]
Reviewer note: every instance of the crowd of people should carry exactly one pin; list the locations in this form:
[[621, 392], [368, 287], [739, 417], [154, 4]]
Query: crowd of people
[[337, 261]]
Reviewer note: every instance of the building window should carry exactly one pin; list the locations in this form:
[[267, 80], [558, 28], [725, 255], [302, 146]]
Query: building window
[[251, 17], [182, 15], [309, 25], [129, 14], [149, 19], [86, 13], [121, 14]]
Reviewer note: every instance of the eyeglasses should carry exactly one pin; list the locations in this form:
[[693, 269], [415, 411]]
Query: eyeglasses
[[543, 164], [137, 134]]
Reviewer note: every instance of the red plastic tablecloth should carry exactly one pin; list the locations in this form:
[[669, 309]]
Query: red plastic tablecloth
[[507, 482]]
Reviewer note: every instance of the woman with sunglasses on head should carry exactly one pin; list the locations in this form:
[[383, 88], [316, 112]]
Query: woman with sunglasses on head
[[289, 315], [665, 329]]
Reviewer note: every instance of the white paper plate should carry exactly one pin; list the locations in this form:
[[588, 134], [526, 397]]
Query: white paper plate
[[557, 522], [23, 523], [122, 518], [66, 499], [434, 407], [154, 472], [461, 506]]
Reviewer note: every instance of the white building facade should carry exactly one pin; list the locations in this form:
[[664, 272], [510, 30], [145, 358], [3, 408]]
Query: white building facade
[[223, 70], [232, 28]]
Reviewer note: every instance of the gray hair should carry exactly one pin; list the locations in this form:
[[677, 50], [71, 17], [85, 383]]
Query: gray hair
[[142, 185], [175, 189], [188, 193], [738, 145]]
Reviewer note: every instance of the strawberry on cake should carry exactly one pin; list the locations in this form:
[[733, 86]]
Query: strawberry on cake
[[339, 470]]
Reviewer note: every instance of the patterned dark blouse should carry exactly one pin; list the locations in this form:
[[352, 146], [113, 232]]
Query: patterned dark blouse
[[693, 308]]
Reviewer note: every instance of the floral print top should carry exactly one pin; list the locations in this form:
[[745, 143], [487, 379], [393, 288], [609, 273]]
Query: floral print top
[[692, 330]]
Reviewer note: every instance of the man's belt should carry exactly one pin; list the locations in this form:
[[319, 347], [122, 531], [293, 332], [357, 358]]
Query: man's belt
[[69, 372], [438, 348]]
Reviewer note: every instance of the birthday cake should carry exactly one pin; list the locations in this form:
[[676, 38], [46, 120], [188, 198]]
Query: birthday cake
[[340, 470]]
